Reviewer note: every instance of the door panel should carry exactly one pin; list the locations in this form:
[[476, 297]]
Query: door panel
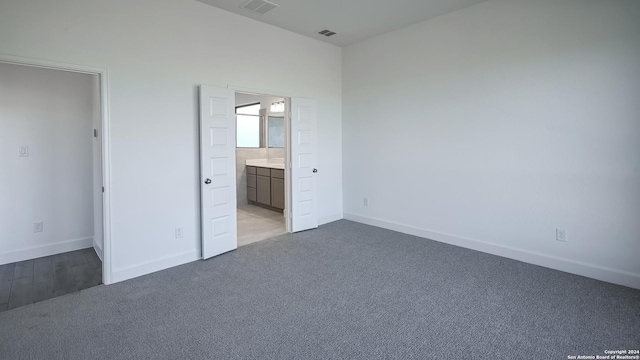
[[303, 164], [218, 170]]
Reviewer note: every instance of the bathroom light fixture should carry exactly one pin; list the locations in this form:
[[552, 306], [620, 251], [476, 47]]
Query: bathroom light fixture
[[277, 107]]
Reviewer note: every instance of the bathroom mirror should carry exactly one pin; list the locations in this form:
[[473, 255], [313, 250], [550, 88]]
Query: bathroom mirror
[[275, 130]]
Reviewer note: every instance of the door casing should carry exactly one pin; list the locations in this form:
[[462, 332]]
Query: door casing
[[287, 136], [103, 78]]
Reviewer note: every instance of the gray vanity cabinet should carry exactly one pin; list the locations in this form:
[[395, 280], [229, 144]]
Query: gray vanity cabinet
[[265, 186]]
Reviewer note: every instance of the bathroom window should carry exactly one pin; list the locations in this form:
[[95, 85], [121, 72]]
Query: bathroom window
[[248, 126]]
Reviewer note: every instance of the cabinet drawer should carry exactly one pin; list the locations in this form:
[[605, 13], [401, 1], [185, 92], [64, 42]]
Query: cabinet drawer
[[251, 169], [251, 180], [277, 173], [264, 171], [251, 194]]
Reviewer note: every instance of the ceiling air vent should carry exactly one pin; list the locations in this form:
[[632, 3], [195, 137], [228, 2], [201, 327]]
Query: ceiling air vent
[[259, 6], [326, 32]]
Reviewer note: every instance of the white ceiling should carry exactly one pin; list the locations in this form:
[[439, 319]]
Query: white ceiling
[[352, 20]]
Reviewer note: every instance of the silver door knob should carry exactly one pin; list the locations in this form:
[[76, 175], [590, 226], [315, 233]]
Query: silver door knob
[[208, 181], [315, 170]]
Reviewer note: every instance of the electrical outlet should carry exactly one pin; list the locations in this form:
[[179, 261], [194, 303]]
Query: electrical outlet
[[365, 201], [179, 233], [38, 226], [561, 235], [23, 151]]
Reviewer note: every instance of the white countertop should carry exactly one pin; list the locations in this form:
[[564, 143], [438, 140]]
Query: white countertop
[[266, 163]]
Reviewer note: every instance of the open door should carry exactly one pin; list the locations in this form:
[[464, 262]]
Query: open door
[[304, 214], [218, 170]]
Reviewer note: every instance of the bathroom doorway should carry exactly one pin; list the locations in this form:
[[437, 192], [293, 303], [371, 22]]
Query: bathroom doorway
[[260, 166], [219, 165]]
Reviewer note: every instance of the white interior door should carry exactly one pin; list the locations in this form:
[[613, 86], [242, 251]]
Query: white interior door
[[304, 214], [218, 170]]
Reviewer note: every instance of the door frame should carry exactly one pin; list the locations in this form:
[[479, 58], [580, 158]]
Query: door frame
[[103, 75], [287, 141]]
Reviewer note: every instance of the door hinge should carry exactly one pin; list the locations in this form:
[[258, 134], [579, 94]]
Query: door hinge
[[95, 133], [103, 189]]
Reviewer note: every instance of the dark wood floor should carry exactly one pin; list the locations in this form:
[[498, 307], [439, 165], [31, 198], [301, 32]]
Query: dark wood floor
[[30, 281]]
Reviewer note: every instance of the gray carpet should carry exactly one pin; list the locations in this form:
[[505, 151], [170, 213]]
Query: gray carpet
[[343, 291]]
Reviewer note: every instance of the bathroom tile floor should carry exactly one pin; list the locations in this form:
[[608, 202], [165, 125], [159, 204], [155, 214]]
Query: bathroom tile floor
[[256, 223]]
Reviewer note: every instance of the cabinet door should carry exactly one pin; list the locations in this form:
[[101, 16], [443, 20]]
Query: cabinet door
[[263, 190], [277, 193]]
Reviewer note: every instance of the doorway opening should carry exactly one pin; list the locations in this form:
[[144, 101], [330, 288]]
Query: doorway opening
[[260, 166], [219, 167], [52, 218]]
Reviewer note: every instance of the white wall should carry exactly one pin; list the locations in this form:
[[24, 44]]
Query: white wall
[[494, 125], [157, 53], [50, 112]]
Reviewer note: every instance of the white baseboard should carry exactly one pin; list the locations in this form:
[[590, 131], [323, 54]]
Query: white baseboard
[[330, 218], [598, 272], [98, 250], [148, 267], [45, 250]]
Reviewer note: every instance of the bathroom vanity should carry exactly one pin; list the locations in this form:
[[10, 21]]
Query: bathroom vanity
[[265, 183]]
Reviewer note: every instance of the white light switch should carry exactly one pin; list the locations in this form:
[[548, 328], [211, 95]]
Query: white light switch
[[23, 151]]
